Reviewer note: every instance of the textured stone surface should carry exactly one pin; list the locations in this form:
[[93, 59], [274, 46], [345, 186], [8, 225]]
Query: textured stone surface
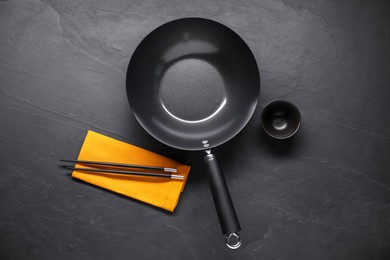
[[323, 195]]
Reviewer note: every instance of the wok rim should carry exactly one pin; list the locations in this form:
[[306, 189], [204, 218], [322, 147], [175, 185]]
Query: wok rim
[[229, 136]]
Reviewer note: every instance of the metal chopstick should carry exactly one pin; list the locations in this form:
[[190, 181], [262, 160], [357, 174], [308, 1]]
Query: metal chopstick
[[172, 176], [159, 168]]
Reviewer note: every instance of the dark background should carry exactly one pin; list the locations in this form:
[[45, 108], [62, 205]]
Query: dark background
[[325, 194]]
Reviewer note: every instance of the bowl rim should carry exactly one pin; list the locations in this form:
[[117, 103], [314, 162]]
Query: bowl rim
[[285, 102]]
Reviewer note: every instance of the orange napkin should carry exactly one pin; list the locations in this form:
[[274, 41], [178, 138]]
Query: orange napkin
[[160, 192]]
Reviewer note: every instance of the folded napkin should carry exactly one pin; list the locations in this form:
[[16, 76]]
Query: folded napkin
[[160, 192]]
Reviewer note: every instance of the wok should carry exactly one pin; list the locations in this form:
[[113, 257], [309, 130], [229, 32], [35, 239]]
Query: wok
[[193, 84]]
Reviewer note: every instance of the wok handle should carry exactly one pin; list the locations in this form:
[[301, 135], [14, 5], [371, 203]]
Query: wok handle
[[223, 203]]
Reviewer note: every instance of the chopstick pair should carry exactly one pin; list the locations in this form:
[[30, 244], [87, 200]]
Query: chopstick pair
[[122, 165]]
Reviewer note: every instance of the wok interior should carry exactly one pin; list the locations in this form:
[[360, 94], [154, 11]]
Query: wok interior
[[191, 81]]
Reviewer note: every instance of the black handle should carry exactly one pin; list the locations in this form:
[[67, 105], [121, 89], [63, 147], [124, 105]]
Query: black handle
[[223, 203]]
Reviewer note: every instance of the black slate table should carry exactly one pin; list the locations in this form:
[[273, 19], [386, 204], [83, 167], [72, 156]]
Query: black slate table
[[325, 194]]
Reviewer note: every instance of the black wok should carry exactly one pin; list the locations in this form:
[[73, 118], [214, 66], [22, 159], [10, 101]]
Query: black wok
[[193, 84]]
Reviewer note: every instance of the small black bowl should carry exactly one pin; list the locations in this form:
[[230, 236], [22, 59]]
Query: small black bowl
[[280, 119]]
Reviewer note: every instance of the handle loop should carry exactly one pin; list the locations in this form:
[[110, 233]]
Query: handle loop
[[228, 240]]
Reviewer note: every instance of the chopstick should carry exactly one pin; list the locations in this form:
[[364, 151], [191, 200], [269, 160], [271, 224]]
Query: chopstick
[[159, 168], [172, 176]]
